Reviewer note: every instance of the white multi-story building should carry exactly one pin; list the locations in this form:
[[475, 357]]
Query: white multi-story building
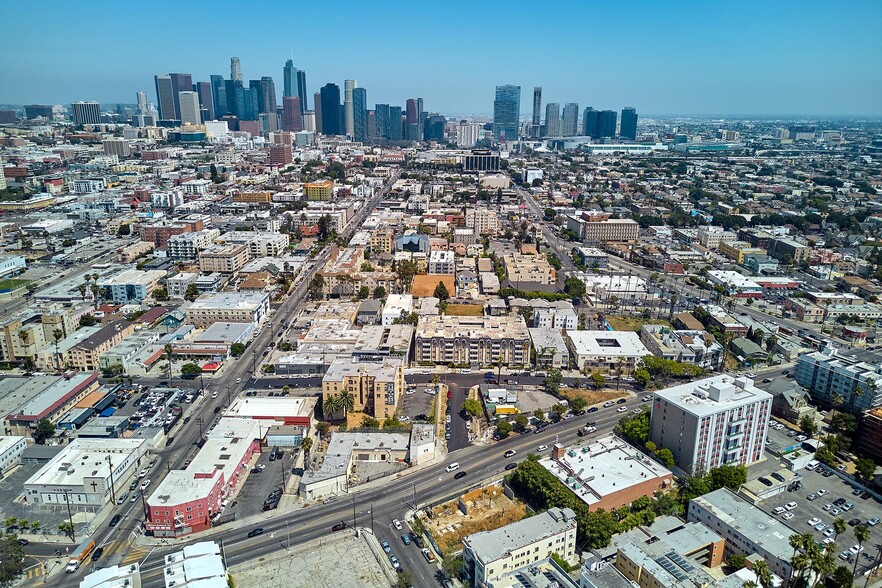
[[396, 305], [11, 448], [483, 220], [712, 422], [467, 134], [170, 199], [188, 245], [556, 318], [196, 187], [131, 285], [606, 351], [442, 262], [87, 186], [189, 102], [228, 307], [488, 555], [263, 244]]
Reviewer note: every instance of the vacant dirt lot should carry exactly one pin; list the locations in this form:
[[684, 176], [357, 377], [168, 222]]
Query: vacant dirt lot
[[629, 323], [592, 396], [488, 509], [465, 310], [425, 284]]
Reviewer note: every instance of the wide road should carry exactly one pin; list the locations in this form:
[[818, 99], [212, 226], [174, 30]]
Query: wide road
[[390, 500]]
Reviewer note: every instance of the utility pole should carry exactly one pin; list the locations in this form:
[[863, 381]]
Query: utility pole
[[199, 422], [69, 515], [354, 516], [112, 491], [414, 494], [282, 464], [144, 503], [372, 518]]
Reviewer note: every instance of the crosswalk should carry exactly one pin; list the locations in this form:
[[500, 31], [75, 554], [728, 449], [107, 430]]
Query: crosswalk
[[134, 554], [36, 572]]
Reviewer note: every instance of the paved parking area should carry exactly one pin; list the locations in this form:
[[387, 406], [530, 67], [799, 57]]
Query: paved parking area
[[257, 485], [806, 509], [417, 403]]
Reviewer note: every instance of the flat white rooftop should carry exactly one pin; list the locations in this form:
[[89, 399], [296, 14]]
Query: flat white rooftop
[[84, 458], [712, 395], [264, 407], [608, 343]]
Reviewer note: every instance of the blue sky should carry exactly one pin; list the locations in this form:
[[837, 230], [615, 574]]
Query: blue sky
[[772, 57]]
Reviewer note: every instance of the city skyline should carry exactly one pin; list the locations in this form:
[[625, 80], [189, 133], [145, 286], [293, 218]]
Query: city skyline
[[659, 63]]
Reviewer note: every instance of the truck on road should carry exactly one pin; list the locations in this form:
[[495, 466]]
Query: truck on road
[[79, 555]]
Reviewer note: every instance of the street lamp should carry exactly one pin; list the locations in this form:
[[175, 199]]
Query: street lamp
[[69, 514], [112, 491]]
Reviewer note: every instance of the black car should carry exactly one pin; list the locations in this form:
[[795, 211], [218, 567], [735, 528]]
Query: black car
[[579, 412], [96, 555], [169, 441], [418, 541], [255, 532], [116, 519], [23, 542], [338, 527], [621, 401], [839, 502], [593, 409], [187, 420], [459, 475], [511, 466], [591, 424]]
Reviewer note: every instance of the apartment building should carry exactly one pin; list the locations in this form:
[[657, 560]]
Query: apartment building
[[593, 226], [84, 356], [489, 555], [130, 253], [712, 422], [253, 197], [131, 286], [737, 250], [483, 220], [696, 347], [159, 232], [224, 259], [478, 341], [32, 330], [442, 262], [383, 241], [228, 307], [561, 317], [710, 236], [188, 245], [259, 244], [606, 351], [790, 251], [529, 269], [376, 386], [856, 377], [319, 190]]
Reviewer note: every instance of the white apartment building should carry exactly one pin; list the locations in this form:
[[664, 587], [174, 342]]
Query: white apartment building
[[228, 307], [11, 448], [556, 318], [263, 244], [483, 220], [606, 351], [188, 245], [489, 555], [711, 422], [170, 199], [396, 304], [196, 187], [710, 236], [442, 262]]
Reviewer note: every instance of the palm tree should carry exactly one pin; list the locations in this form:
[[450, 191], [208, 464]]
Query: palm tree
[[347, 402], [861, 533], [331, 405], [825, 563], [83, 288], [836, 400], [169, 354], [839, 525], [306, 445], [855, 394], [763, 574], [57, 334]]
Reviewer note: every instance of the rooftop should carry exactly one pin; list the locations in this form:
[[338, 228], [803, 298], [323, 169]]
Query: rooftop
[[607, 343], [227, 300], [342, 445], [489, 546], [54, 395], [84, 458], [714, 394]]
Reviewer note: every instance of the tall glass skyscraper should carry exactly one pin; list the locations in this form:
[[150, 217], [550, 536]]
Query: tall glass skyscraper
[[607, 126], [381, 114], [570, 120], [181, 82], [395, 124], [629, 123], [360, 114], [165, 97], [219, 92], [267, 95], [330, 96], [552, 119], [295, 83], [236, 70], [506, 113], [348, 110]]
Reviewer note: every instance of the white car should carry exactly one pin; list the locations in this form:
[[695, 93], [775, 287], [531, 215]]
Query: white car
[[779, 510], [787, 516], [813, 521], [451, 467], [144, 484], [622, 409], [143, 472], [542, 448], [214, 394], [822, 491], [397, 524], [790, 505], [647, 398], [856, 549], [410, 391]]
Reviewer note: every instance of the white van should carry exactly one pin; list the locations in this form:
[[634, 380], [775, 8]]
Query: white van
[[453, 466], [812, 465]]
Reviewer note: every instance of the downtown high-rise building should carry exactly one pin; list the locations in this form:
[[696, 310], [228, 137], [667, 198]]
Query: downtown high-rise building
[[381, 117], [142, 101], [219, 93], [330, 99], [628, 128], [189, 105], [317, 100], [267, 95], [570, 126], [435, 127], [396, 121], [536, 122], [552, 120], [506, 113], [206, 100], [607, 124], [292, 119], [348, 110], [295, 84], [360, 114], [86, 113], [181, 82], [411, 119], [236, 70], [235, 92], [165, 97]]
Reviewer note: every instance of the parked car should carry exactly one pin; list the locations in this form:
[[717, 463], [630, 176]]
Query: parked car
[[430, 558], [385, 545], [338, 527], [405, 539], [397, 524], [116, 519]]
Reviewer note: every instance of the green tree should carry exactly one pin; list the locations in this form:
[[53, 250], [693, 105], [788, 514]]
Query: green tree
[[642, 377], [763, 574], [598, 379], [666, 457], [441, 292], [866, 468], [306, 445], [452, 565], [44, 430], [553, 381], [730, 476], [237, 349], [88, 320], [11, 522], [66, 527], [862, 534], [379, 292], [160, 294], [839, 526], [558, 409], [808, 425], [635, 428], [735, 561], [574, 287], [191, 370], [539, 414], [316, 287], [577, 403], [191, 293], [504, 429], [12, 560], [472, 407], [522, 421], [842, 577], [405, 579], [364, 292]]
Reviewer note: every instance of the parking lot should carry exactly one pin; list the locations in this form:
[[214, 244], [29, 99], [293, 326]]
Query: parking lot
[[258, 484], [417, 403], [822, 508]]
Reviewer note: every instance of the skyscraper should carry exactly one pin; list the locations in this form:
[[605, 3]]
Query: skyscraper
[[570, 120], [189, 104], [629, 123], [292, 119], [86, 113], [289, 79], [301, 90], [360, 114], [381, 114], [535, 130], [590, 122], [607, 126], [411, 120], [552, 119], [317, 100], [142, 102], [506, 113], [395, 124], [235, 98], [165, 97], [219, 92], [434, 130], [206, 99], [267, 95], [348, 110], [330, 98], [181, 82], [236, 70]]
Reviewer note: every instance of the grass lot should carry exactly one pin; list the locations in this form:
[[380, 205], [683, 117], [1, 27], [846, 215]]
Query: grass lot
[[591, 396], [630, 323], [12, 284], [488, 509], [465, 310]]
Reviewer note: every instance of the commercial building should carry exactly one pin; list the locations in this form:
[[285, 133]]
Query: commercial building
[[551, 349], [592, 226], [606, 351], [49, 399], [523, 270], [737, 250], [868, 441], [483, 220], [259, 244], [32, 331], [186, 500], [159, 232], [712, 422], [748, 530], [86, 113], [476, 341], [224, 259], [200, 565], [789, 251], [131, 286], [608, 473], [127, 576], [857, 378], [86, 474], [489, 555], [696, 347], [376, 384], [11, 448], [84, 356], [228, 307], [396, 306], [506, 113]]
